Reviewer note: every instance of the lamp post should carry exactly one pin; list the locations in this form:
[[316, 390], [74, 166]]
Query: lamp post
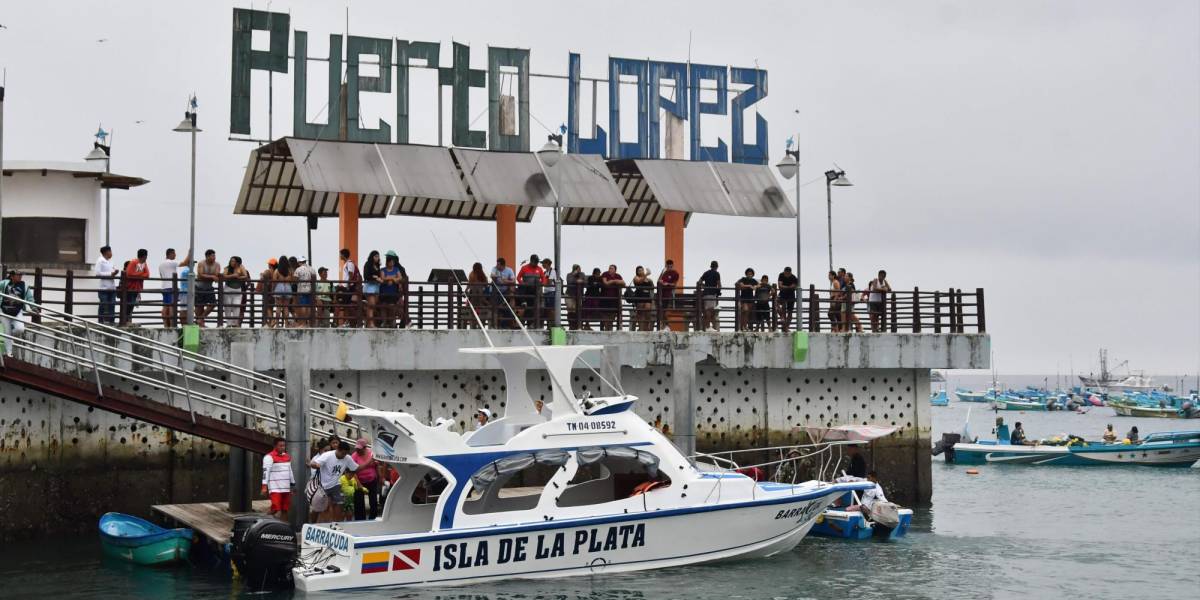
[[833, 177], [103, 151], [789, 167], [188, 125], [547, 157]]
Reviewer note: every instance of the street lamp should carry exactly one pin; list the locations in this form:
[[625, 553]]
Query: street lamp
[[549, 156], [833, 177], [101, 151], [188, 125], [789, 167]]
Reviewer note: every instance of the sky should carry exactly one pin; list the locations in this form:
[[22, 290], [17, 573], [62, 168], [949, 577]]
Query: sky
[[1048, 152]]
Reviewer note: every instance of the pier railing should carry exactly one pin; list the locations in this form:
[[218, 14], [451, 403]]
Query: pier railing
[[446, 305]]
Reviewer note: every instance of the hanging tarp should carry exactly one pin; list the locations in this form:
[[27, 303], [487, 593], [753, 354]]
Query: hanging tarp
[[593, 454], [513, 463]]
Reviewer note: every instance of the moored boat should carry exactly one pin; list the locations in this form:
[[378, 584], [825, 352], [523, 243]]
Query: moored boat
[[939, 398], [582, 488], [1163, 449], [1010, 403], [969, 396], [853, 525], [139, 541]]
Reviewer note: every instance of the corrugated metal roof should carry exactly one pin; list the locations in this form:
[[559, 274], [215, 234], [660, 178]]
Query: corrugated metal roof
[[685, 185], [271, 186], [350, 167], [504, 177], [583, 180], [754, 191]]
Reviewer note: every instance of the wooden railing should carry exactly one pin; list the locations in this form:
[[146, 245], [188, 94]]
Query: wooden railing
[[440, 305]]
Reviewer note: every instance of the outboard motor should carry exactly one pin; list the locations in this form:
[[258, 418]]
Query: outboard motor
[[946, 444], [264, 551]]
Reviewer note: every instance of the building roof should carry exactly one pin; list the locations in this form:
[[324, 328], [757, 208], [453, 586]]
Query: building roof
[[81, 170]]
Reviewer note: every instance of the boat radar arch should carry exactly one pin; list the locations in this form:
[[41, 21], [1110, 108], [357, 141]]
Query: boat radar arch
[[557, 360]]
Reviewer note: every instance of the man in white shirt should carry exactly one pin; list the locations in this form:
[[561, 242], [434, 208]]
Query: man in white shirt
[[167, 270], [868, 498], [330, 466], [305, 276], [108, 286]]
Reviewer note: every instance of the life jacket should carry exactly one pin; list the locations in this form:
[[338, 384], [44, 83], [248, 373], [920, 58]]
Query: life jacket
[[644, 487]]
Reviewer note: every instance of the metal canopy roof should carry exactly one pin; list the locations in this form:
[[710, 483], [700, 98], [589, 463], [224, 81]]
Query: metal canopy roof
[[271, 186], [77, 170], [651, 187]]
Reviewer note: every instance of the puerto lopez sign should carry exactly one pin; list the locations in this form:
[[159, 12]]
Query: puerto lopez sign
[[396, 57]]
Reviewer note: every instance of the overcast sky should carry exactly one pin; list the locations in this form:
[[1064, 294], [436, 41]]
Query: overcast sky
[[1048, 152]]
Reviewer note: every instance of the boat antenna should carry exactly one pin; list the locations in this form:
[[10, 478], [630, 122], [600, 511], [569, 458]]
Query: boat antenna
[[470, 304], [564, 390]]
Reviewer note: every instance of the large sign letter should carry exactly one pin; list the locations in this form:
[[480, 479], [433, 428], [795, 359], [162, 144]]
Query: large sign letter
[[719, 75], [616, 68], [508, 57], [677, 73], [404, 51], [461, 78], [576, 144], [356, 47], [755, 153], [301, 128], [245, 59]]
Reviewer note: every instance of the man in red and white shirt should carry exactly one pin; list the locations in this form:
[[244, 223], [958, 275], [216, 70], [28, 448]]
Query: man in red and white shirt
[[278, 479]]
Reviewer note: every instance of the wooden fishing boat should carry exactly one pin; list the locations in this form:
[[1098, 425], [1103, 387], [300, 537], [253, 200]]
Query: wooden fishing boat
[[142, 542]]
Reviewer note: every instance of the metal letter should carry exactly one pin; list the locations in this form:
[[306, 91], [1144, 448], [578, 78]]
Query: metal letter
[[246, 59], [676, 72], [508, 57], [461, 78], [616, 68], [301, 128], [405, 50], [576, 144], [356, 47], [755, 153], [718, 74]]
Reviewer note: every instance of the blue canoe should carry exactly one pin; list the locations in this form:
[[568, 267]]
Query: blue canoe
[[837, 523], [142, 542]]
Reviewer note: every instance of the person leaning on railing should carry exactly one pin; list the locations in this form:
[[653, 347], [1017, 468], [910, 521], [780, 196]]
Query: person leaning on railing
[[234, 280], [136, 273]]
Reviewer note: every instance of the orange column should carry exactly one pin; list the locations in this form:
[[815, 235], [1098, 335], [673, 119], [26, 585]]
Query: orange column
[[506, 234], [673, 240], [348, 225]]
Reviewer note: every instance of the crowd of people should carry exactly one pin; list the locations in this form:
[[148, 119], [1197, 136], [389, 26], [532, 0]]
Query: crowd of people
[[295, 294]]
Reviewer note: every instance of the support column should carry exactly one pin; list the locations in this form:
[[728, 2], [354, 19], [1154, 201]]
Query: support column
[[241, 466], [683, 394], [673, 220], [298, 384], [506, 234], [348, 225]]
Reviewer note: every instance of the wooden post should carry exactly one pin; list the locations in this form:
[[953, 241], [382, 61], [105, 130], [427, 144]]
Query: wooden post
[[420, 307], [814, 309], [220, 304], [916, 309], [37, 293], [937, 312], [893, 303], [69, 293], [979, 320]]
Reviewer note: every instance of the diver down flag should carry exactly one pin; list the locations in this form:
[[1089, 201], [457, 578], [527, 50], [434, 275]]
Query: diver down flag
[[404, 560]]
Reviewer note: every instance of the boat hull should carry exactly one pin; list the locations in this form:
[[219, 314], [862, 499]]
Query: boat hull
[[1172, 455], [141, 542], [854, 526], [1015, 405], [612, 544], [1127, 410]]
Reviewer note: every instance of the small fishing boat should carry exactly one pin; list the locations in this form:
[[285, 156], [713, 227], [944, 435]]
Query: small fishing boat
[[1011, 403], [1163, 449], [969, 396], [1133, 410], [837, 522], [142, 542], [939, 398]]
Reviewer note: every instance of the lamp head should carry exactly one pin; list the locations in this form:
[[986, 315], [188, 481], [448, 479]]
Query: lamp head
[[788, 166], [552, 151], [188, 124], [837, 177], [98, 152]]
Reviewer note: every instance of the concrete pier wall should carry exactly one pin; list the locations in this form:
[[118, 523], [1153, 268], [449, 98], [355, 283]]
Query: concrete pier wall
[[64, 464]]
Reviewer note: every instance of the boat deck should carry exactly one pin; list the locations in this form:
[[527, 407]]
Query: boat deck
[[210, 519]]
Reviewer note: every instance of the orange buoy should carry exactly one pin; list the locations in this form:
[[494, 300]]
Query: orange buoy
[[972, 471]]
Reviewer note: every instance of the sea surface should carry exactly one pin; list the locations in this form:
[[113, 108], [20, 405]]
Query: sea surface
[[1008, 532]]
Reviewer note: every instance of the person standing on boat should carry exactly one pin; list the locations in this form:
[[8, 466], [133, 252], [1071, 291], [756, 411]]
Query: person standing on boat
[[1001, 431], [869, 497], [330, 466], [278, 480], [370, 475], [482, 416]]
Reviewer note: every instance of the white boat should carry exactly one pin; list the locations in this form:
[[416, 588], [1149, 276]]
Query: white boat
[[591, 489]]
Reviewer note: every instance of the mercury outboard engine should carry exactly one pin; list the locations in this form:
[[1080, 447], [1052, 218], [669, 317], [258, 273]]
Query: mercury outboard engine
[[946, 444], [264, 551]]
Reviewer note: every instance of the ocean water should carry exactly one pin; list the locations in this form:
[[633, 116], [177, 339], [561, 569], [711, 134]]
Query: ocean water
[[1008, 532]]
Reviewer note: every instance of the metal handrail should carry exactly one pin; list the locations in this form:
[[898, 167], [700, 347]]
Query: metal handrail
[[60, 330]]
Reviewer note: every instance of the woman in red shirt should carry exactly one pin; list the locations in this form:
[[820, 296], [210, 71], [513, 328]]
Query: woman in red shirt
[[370, 475]]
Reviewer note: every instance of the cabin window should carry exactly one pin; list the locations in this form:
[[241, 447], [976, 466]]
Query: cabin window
[[44, 240], [612, 473], [514, 482]]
